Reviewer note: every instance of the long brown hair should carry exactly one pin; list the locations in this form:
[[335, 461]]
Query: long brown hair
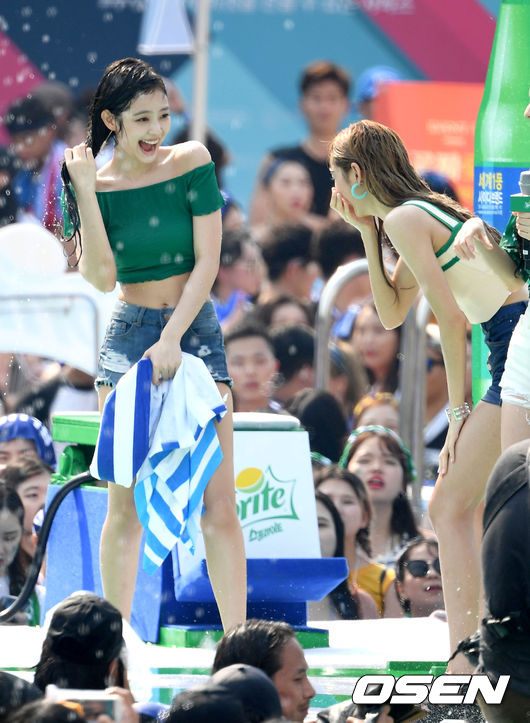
[[388, 173]]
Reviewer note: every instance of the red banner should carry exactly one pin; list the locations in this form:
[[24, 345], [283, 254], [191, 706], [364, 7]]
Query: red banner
[[436, 122]]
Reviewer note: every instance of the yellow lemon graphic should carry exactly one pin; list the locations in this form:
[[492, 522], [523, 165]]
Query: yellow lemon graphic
[[249, 479]]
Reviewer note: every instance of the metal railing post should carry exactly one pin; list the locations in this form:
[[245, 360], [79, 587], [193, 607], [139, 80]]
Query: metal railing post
[[324, 321]]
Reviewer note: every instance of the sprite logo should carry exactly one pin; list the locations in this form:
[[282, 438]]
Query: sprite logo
[[262, 496]]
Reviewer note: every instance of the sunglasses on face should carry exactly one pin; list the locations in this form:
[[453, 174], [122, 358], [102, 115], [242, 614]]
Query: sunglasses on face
[[420, 568], [433, 363]]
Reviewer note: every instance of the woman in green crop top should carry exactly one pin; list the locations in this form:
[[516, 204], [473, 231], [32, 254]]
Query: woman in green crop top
[[472, 239], [150, 219], [374, 180]]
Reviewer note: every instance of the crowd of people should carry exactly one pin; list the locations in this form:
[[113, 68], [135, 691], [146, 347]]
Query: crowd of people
[[304, 223]]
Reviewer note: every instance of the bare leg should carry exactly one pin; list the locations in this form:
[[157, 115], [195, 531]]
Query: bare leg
[[515, 424], [120, 543], [223, 538], [453, 509]]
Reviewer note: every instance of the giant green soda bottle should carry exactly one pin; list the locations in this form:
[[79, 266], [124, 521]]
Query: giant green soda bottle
[[502, 138]]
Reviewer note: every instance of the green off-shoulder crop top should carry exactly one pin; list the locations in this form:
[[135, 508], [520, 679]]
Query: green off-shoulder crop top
[[150, 229]]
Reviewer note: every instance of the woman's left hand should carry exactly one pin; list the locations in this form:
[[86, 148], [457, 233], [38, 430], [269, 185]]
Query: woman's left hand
[[447, 454], [165, 356], [522, 224], [472, 230]]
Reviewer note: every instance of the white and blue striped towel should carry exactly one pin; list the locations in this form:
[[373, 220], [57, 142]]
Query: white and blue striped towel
[[165, 437]]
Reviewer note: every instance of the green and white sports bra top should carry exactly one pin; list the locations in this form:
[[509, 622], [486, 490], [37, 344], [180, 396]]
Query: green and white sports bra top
[[478, 291]]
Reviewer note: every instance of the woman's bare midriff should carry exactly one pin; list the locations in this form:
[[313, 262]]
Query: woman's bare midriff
[[155, 294], [519, 295]]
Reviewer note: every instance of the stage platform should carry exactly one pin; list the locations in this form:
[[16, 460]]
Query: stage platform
[[356, 648]]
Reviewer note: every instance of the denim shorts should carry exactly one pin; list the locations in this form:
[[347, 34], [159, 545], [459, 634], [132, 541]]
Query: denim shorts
[[133, 329], [497, 334]]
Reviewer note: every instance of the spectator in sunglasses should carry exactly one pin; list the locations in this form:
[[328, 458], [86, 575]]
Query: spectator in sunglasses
[[418, 581]]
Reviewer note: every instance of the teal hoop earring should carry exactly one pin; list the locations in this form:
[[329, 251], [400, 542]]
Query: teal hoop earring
[[354, 194]]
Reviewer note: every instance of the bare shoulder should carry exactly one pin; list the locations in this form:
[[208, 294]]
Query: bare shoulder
[[408, 225], [189, 155], [402, 217]]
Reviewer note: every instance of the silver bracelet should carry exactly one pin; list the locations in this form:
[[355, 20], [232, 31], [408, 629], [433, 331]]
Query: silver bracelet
[[458, 413]]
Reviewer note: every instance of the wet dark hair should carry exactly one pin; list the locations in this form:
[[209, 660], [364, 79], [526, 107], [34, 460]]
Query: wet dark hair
[[9, 500], [388, 174], [360, 491], [254, 642], [121, 83]]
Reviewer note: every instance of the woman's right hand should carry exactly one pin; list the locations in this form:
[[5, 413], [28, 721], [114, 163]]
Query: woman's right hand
[[447, 453], [471, 231], [345, 210], [81, 167]]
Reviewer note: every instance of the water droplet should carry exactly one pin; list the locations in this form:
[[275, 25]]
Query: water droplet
[[107, 17], [165, 66], [52, 11], [26, 27], [165, 258], [154, 221], [73, 82], [52, 75], [45, 38], [26, 11], [204, 350], [92, 56], [120, 246], [292, 350], [44, 67], [288, 24], [179, 258]]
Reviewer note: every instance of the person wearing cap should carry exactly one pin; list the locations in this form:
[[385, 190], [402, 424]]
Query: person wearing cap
[[22, 436], [324, 89], [272, 647], [205, 704], [369, 84], [253, 688], [82, 649], [32, 129]]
